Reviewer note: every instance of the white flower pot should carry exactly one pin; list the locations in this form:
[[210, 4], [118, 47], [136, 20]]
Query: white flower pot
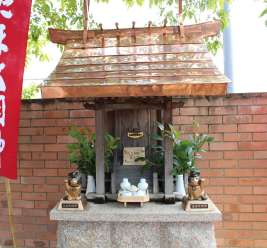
[[179, 187], [90, 185]]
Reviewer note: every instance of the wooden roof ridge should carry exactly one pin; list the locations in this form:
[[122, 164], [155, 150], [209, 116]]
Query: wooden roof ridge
[[202, 30]]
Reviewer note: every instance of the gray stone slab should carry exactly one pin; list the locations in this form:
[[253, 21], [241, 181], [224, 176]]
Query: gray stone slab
[[151, 212]]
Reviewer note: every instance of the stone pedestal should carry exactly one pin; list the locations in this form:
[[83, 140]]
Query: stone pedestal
[[153, 226]]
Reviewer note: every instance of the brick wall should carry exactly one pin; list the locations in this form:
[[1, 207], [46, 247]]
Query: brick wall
[[235, 167]]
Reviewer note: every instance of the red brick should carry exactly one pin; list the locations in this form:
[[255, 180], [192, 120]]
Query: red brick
[[65, 140], [25, 172], [31, 131], [70, 105], [260, 154], [237, 100], [23, 204], [37, 243], [82, 113], [43, 123], [31, 164], [252, 145], [46, 188], [45, 172], [238, 154], [55, 180], [237, 136], [236, 190], [24, 123], [260, 172], [189, 128], [56, 114], [34, 196], [56, 148], [44, 156], [234, 119], [223, 146], [36, 106], [225, 110], [237, 208], [260, 243], [211, 173], [31, 148], [244, 243], [260, 136], [223, 181], [44, 139], [25, 156], [253, 217], [31, 114], [257, 208], [260, 99], [212, 155], [260, 118], [194, 111], [255, 110], [177, 120], [222, 128], [33, 180], [253, 163], [223, 164], [210, 101], [260, 190], [57, 164], [253, 181], [22, 188], [253, 128], [56, 130], [239, 172], [24, 139], [35, 212]]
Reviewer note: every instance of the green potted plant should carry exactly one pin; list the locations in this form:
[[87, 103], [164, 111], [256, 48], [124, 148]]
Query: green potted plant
[[82, 153], [185, 153]]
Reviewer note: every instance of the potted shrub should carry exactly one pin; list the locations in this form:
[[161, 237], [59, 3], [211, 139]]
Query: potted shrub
[[82, 153], [185, 153]]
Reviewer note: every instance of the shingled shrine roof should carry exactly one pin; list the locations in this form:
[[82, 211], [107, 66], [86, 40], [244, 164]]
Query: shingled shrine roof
[[136, 62]]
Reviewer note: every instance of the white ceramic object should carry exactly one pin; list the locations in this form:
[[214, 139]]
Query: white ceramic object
[[179, 187], [90, 185], [140, 193], [125, 184], [125, 193], [143, 185]]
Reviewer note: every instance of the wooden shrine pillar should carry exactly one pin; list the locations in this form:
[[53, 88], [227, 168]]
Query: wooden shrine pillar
[[168, 156], [100, 162]]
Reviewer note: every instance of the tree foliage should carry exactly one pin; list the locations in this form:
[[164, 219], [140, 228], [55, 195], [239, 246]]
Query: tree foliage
[[68, 14], [264, 13], [30, 91]]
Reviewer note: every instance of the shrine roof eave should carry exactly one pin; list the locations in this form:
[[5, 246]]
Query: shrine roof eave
[[202, 30], [164, 90]]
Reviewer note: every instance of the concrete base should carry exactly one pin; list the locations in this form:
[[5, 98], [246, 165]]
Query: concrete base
[[153, 226]]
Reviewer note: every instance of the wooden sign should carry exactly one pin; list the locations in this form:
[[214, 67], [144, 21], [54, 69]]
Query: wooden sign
[[131, 154]]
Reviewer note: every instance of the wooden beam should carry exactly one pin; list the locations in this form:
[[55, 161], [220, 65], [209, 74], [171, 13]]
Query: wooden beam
[[168, 156], [100, 146], [202, 30], [111, 105]]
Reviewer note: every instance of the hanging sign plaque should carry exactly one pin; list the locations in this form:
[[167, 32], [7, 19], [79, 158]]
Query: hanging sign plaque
[[14, 25], [132, 155]]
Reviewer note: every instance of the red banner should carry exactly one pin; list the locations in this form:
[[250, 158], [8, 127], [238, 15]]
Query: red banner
[[14, 26]]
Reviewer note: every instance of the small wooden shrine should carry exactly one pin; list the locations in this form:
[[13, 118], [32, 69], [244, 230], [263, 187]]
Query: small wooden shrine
[[132, 78]]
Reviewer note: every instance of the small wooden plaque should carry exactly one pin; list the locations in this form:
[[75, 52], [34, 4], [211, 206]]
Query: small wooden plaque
[[198, 206], [130, 154], [70, 205]]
